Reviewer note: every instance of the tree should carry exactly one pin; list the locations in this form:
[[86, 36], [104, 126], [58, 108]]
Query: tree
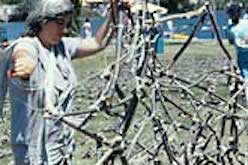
[[29, 4], [75, 20], [11, 1], [177, 6]]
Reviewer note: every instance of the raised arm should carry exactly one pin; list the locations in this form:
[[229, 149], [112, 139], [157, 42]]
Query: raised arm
[[97, 44]]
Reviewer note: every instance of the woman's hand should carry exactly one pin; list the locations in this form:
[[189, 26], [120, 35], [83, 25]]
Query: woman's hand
[[23, 64], [128, 3]]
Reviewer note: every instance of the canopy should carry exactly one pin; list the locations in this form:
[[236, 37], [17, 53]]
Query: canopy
[[151, 8]]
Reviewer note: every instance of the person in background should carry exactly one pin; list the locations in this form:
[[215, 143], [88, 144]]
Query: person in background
[[238, 36], [37, 71], [160, 43], [87, 28], [170, 27], [246, 14], [158, 34]]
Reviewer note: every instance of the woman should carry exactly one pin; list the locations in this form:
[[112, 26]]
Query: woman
[[40, 76]]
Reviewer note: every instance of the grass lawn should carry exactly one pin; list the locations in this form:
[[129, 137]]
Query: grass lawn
[[198, 58]]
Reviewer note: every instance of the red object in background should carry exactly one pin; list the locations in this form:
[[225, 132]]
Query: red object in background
[[10, 73], [5, 44]]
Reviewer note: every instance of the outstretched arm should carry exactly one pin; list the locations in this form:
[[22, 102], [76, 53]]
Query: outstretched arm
[[24, 59], [23, 65]]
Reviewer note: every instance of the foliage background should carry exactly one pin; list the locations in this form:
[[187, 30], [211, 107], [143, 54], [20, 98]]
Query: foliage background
[[174, 6]]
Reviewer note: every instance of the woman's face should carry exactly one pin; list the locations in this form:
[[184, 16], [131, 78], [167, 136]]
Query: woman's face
[[52, 31]]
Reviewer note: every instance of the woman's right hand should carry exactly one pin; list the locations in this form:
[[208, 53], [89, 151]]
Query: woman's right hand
[[23, 64]]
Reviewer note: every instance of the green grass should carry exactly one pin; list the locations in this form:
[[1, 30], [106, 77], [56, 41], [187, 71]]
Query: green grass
[[198, 58]]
